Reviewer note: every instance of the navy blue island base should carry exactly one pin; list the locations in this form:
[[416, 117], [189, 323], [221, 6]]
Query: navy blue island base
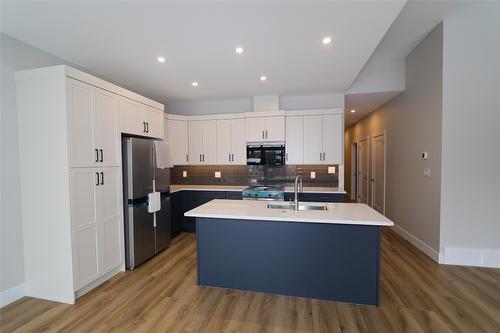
[[336, 262]]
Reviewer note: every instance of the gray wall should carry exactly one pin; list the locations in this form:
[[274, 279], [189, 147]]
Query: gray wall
[[15, 55], [413, 123], [471, 118]]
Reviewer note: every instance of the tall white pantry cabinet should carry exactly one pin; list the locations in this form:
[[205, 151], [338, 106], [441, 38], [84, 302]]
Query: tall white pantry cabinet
[[71, 179]]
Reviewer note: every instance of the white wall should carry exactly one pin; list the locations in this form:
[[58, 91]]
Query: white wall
[[470, 215], [15, 55]]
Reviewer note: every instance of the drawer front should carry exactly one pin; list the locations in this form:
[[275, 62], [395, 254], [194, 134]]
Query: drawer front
[[317, 197]]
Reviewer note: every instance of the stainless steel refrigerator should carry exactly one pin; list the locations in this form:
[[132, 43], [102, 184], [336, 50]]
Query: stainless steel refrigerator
[[146, 234]]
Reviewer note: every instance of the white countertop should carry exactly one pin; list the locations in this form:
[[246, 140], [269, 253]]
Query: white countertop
[[307, 189], [337, 213]]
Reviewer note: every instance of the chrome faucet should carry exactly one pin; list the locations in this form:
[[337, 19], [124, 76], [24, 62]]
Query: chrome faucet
[[296, 189]]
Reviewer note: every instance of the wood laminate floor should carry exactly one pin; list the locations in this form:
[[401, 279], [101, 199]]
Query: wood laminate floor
[[417, 295]]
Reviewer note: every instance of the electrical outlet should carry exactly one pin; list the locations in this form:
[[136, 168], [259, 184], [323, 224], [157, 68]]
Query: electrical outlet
[[184, 174], [217, 174], [331, 169], [427, 172], [313, 174]]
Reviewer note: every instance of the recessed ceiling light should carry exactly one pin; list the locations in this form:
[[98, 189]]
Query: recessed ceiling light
[[161, 59], [327, 40], [352, 111], [239, 50], [194, 84], [263, 78]]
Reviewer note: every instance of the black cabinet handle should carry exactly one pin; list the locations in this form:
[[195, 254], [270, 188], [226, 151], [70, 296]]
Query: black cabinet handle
[[144, 126], [102, 155], [147, 127], [96, 155], [203, 157], [232, 157], [200, 157], [102, 178], [97, 174], [229, 157]]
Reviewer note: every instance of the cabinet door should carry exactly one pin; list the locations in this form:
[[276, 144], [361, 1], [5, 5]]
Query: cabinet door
[[209, 154], [294, 140], [110, 217], [154, 122], [106, 129], [238, 142], [275, 128], [177, 136], [195, 142], [131, 121], [255, 128], [82, 151], [333, 138], [313, 139], [224, 141], [84, 224]]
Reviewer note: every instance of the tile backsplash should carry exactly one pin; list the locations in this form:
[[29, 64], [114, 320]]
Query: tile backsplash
[[245, 175]]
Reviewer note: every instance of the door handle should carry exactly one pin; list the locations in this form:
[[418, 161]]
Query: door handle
[[96, 155], [102, 155], [97, 174], [102, 178]]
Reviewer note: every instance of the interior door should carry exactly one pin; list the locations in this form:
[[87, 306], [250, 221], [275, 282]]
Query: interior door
[[313, 139], [224, 141], [82, 151], [333, 139], [275, 128], [294, 140], [177, 136], [378, 173], [110, 217], [195, 141], [255, 128], [106, 128], [209, 154], [363, 171], [238, 142]]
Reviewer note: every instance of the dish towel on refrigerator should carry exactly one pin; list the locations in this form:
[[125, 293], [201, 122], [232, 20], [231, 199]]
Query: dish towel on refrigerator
[[154, 203]]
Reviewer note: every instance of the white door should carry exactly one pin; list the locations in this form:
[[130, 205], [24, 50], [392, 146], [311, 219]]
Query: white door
[[275, 129], [84, 184], [209, 153], [378, 173], [154, 122], [177, 136], [131, 121], [255, 129], [110, 217], [294, 140], [82, 151], [333, 138], [106, 128], [238, 142], [224, 141], [195, 142], [313, 140], [363, 171]]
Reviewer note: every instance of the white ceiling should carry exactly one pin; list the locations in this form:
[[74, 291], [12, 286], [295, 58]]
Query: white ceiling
[[282, 40]]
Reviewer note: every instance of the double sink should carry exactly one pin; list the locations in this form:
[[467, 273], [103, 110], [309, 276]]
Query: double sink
[[302, 206]]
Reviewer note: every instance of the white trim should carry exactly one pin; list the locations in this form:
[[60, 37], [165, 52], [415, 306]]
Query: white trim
[[367, 166], [354, 172], [11, 295], [257, 114], [422, 246], [373, 164], [471, 257], [313, 112]]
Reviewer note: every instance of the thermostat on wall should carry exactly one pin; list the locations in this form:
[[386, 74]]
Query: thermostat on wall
[[424, 155]]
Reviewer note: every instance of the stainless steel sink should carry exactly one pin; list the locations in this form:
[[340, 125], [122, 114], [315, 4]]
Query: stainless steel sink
[[290, 206]]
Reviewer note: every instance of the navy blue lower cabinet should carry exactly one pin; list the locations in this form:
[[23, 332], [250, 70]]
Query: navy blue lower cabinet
[[323, 261], [234, 195], [317, 197], [177, 213], [193, 199]]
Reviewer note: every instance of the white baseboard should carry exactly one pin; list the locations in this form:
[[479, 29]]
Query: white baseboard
[[422, 246], [11, 295], [471, 257]]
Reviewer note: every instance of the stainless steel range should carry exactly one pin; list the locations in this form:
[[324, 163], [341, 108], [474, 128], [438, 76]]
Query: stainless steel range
[[261, 192]]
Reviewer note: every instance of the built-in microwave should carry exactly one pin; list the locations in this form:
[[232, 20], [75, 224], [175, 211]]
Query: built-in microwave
[[266, 154]]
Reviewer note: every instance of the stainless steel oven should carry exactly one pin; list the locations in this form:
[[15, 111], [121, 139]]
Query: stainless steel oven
[[265, 154]]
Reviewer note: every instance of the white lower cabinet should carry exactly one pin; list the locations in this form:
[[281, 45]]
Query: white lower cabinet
[[96, 223]]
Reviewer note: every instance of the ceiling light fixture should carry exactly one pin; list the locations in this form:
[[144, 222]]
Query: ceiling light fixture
[[327, 40], [194, 84], [263, 78], [352, 111], [161, 59], [239, 50]]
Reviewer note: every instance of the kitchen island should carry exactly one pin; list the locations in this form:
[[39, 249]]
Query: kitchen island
[[331, 254]]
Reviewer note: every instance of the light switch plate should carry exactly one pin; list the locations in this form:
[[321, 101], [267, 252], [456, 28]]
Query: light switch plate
[[217, 174], [184, 174], [331, 169], [427, 172], [313, 174]]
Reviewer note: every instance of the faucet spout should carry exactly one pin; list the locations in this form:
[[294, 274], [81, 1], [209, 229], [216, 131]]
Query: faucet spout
[[296, 189]]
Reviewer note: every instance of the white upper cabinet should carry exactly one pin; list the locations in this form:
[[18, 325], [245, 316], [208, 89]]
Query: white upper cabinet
[[195, 142], [294, 140], [177, 137], [313, 139], [265, 129], [93, 133], [333, 135], [154, 122], [231, 145], [202, 142], [139, 119]]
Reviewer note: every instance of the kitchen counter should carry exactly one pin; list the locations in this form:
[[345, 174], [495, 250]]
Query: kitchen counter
[[307, 189], [337, 213]]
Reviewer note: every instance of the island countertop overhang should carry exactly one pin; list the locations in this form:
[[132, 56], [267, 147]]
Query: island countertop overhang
[[337, 213]]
